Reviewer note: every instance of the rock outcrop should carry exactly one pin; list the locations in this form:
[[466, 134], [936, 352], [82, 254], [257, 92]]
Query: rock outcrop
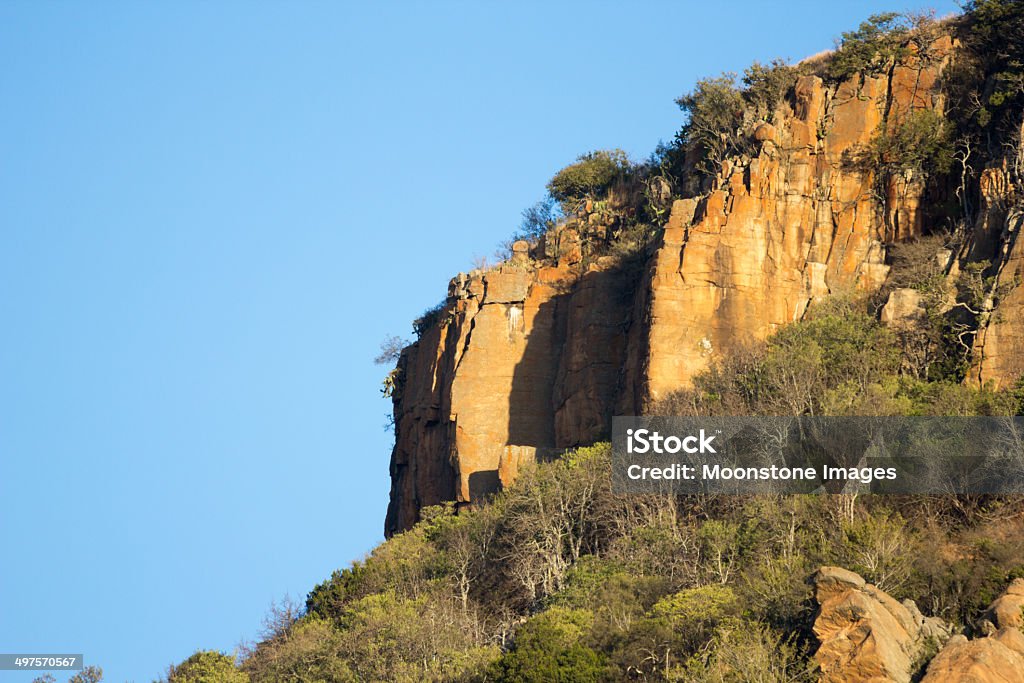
[[998, 343], [1008, 609], [865, 635], [535, 356], [996, 658], [903, 308]]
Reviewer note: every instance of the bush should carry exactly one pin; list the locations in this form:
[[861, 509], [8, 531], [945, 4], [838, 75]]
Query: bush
[[767, 85], [207, 666], [548, 648], [995, 37], [537, 220], [714, 111], [591, 175], [921, 143], [385, 636], [693, 613], [792, 373], [310, 650], [877, 42], [328, 599], [842, 361], [746, 651], [432, 316], [880, 548]]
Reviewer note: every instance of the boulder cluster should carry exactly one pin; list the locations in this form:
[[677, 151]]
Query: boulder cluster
[[867, 636]]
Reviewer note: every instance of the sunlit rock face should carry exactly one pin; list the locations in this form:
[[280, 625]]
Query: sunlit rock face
[[864, 634], [997, 657], [536, 355], [998, 359]]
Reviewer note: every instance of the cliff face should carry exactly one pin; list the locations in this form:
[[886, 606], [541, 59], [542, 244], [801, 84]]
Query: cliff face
[[997, 347], [537, 355]]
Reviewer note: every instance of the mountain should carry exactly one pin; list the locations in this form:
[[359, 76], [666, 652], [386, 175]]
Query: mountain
[[833, 237], [827, 175]]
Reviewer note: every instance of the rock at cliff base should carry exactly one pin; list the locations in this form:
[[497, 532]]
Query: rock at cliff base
[[866, 636], [903, 308], [1008, 609], [996, 658]]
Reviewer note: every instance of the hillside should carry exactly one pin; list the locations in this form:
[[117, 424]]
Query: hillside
[[832, 237], [831, 177]]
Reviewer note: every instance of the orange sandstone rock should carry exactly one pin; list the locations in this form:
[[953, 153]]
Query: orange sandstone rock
[[535, 357]]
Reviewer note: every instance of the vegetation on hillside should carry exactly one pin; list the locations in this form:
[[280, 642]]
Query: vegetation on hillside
[[557, 578]]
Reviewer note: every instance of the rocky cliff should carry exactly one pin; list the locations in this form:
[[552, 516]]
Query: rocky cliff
[[536, 355]]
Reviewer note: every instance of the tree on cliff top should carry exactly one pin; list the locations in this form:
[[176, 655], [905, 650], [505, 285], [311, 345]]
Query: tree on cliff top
[[867, 50], [714, 111], [589, 176]]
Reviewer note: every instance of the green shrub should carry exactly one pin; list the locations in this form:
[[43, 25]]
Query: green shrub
[[868, 50], [431, 317], [881, 549], [591, 175], [767, 85], [994, 82], [548, 647], [714, 111], [328, 599], [308, 651], [537, 220], [385, 636], [744, 651], [841, 361], [207, 666], [921, 143], [694, 612]]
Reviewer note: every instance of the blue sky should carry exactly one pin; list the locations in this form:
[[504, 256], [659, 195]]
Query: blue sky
[[210, 216]]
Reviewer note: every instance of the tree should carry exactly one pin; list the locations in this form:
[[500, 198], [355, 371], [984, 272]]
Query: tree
[[309, 652], [749, 652], [207, 666], [714, 111], [866, 51], [385, 636], [548, 647], [550, 516], [766, 85], [431, 317], [591, 175], [390, 350], [537, 220], [90, 674]]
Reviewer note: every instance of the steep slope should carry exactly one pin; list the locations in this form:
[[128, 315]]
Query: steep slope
[[536, 355]]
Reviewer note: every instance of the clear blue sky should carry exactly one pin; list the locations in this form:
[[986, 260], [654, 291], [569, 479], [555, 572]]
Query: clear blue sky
[[210, 216]]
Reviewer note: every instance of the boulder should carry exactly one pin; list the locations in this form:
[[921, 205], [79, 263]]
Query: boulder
[[903, 307], [764, 131], [996, 658], [1008, 609], [865, 635]]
